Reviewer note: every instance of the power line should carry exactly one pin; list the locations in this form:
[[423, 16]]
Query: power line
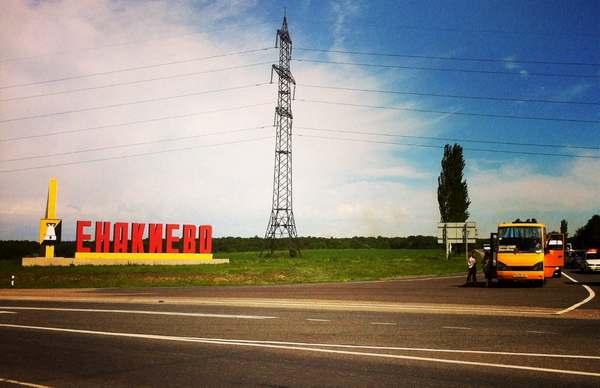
[[438, 146], [446, 69], [135, 82], [62, 132], [133, 102], [137, 68], [468, 59], [451, 95], [128, 43], [133, 155], [461, 140], [117, 146], [454, 113], [173, 36], [470, 31], [497, 31]]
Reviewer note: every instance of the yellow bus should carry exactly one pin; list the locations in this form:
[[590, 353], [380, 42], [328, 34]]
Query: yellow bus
[[520, 254]]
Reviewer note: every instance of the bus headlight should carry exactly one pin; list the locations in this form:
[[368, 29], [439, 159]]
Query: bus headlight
[[539, 266]]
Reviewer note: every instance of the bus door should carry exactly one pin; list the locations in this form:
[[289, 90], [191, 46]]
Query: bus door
[[554, 255]]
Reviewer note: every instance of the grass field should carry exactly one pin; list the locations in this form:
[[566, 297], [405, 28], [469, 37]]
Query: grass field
[[244, 268]]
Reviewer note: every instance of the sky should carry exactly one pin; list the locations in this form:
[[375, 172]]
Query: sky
[[162, 111]]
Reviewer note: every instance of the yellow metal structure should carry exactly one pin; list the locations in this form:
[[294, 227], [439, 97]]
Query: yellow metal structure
[[49, 224], [82, 258]]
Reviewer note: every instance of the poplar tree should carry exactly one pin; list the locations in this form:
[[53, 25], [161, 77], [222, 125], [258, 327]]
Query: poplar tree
[[453, 195], [564, 228]]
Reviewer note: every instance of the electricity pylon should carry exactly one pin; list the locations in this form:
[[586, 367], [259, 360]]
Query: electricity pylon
[[281, 221]]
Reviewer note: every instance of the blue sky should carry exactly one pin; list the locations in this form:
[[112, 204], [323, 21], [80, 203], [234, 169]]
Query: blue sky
[[341, 188]]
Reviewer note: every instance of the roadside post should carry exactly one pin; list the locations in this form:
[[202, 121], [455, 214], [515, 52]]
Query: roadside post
[[466, 241]]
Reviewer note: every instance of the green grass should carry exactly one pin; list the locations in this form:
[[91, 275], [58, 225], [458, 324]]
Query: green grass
[[326, 265]]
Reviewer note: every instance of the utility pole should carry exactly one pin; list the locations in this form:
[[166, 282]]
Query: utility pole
[[281, 221]]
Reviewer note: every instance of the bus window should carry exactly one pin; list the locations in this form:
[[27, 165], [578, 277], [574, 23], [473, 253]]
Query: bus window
[[519, 239]]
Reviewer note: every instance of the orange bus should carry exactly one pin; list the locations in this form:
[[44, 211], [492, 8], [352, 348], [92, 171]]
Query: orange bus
[[554, 255], [520, 254]]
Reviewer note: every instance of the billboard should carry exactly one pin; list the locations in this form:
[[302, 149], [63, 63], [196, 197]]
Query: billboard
[[455, 232]]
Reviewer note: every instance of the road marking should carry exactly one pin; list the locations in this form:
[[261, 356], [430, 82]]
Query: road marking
[[542, 355], [413, 279], [265, 344], [422, 279], [318, 320], [204, 315], [384, 323], [539, 332], [312, 305], [369, 306], [22, 383], [456, 327], [7, 312], [591, 296]]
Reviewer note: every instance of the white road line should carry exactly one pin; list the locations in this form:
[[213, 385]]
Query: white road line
[[203, 315], [400, 280], [591, 296], [369, 306], [315, 304], [305, 349], [422, 279], [456, 327], [318, 320], [384, 323], [542, 355], [22, 383], [539, 332], [7, 312]]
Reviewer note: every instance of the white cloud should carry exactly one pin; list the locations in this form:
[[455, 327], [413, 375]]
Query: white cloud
[[522, 190], [575, 91], [510, 64], [228, 186], [342, 11], [341, 188]]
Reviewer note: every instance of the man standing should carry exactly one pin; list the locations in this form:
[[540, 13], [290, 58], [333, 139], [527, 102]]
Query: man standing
[[472, 269]]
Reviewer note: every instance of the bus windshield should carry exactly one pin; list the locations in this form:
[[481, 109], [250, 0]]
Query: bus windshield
[[520, 239]]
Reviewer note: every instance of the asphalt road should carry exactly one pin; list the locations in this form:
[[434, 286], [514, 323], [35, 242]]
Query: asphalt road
[[398, 333]]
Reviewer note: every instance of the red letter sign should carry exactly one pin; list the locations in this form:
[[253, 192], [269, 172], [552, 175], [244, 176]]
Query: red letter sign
[[81, 237], [205, 239], [120, 237], [189, 239], [155, 233], [137, 238], [102, 236], [172, 239]]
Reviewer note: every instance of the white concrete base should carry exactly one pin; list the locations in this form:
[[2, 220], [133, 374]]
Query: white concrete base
[[69, 261]]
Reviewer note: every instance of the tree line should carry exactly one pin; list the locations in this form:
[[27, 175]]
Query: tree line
[[588, 236], [13, 250]]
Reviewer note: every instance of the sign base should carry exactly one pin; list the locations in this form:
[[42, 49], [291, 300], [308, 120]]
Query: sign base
[[94, 258]]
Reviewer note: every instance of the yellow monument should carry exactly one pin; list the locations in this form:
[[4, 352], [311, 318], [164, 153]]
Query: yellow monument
[[49, 230], [195, 247], [50, 226]]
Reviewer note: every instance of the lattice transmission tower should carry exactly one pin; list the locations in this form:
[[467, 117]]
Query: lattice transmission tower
[[281, 221]]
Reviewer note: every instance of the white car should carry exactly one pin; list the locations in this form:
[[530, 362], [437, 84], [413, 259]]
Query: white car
[[591, 261]]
